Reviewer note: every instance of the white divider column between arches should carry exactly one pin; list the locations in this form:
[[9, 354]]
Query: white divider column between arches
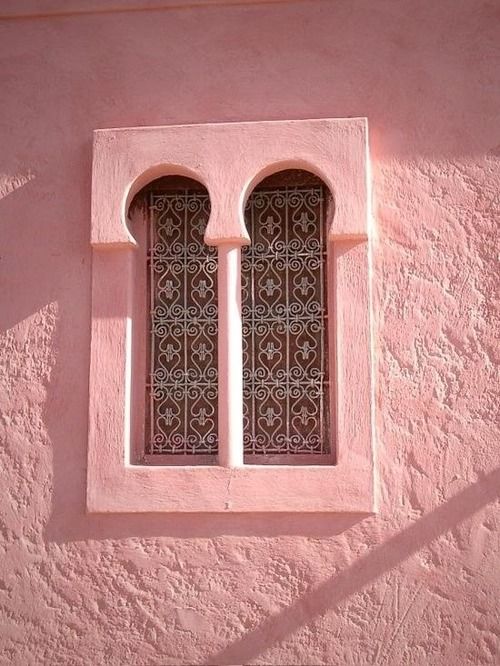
[[230, 353]]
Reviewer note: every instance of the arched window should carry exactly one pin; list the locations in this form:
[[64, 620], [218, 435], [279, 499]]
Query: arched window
[[286, 364], [284, 310], [181, 364], [190, 364]]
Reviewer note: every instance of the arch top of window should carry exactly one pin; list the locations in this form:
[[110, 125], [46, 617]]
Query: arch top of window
[[163, 178], [137, 207], [166, 176], [289, 171], [229, 159], [273, 176], [285, 176]]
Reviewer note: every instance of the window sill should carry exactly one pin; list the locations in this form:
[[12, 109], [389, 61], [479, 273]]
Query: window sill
[[256, 488]]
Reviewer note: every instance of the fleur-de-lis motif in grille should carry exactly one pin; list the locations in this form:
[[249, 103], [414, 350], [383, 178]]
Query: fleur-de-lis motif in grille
[[201, 289], [271, 351], [169, 416], [270, 287], [304, 222], [305, 285], [201, 351], [199, 226], [306, 348], [269, 225], [270, 416], [168, 226], [304, 415], [169, 291]]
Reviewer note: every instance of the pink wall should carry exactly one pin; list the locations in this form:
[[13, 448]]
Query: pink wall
[[416, 584]]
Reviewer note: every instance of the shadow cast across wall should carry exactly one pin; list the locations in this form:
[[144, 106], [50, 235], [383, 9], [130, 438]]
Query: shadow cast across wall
[[378, 561], [63, 528]]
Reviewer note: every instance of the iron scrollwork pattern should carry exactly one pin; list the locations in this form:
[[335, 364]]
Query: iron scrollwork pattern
[[182, 386], [285, 360]]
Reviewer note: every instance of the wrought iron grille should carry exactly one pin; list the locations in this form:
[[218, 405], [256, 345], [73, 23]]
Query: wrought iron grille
[[182, 386], [285, 376]]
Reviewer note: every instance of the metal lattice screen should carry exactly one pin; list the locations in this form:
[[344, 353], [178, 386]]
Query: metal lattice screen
[[182, 384], [285, 355], [285, 350]]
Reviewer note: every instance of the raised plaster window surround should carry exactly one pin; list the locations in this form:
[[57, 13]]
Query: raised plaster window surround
[[229, 160]]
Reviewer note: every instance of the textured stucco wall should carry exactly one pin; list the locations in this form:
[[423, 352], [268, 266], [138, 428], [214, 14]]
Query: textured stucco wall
[[416, 584]]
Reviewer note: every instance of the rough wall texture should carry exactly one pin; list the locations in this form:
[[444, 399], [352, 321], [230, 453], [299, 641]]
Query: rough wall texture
[[419, 582]]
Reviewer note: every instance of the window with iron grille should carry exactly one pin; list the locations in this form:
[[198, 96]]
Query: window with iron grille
[[286, 399], [284, 309], [238, 378], [181, 366]]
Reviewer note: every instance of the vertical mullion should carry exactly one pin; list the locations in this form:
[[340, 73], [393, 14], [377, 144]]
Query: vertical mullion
[[152, 290], [185, 274], [252, 300], [287, 329], [322, 431], [230, 353]]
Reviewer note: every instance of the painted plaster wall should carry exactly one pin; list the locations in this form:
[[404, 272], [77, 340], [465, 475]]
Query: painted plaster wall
[[418, 583]]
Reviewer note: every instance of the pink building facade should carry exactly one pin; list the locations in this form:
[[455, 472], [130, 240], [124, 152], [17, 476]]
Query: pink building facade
[[392, 561]]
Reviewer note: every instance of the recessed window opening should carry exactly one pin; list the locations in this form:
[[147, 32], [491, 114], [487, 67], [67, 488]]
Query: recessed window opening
[[286, 371], [180, 425]]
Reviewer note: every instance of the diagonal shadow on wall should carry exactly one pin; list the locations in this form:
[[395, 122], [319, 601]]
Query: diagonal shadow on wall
[[365, 570]]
